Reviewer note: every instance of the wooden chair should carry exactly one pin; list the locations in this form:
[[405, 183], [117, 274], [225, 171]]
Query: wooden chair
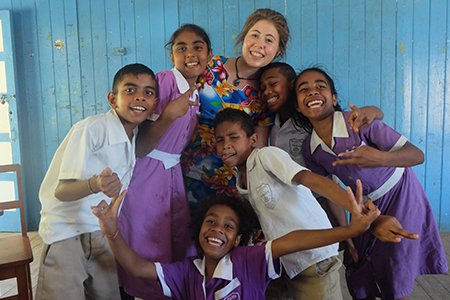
[[15, 250]]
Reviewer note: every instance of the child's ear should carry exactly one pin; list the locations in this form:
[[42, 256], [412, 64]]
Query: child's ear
[[209, 55], [171, 58], [334, 100], [238, 240], [112, 99], [254, 139]]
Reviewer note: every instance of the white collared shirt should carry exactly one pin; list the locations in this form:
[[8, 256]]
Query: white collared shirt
[[91, 145]]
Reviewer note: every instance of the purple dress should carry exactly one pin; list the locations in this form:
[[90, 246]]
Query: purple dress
[[154, 217], [243, 274], [388, 269]]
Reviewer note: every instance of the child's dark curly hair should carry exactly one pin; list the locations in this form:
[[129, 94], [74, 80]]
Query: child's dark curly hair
[[248, 221]]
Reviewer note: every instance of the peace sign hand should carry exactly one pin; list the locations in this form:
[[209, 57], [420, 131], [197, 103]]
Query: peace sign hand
[[107, 214]]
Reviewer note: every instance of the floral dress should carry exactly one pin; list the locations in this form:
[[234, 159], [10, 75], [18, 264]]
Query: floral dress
[[205, 174]]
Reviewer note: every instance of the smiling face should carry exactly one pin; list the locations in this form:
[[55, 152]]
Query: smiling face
[[275, 89], [190, 55], [134, 100], [232, 143], [315, 98], [260, 45], [219, 232]]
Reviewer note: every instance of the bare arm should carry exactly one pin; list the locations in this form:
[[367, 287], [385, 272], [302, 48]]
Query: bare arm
[[369, 157], [150, 133], [106, 182], [299, 240], [135, 265], [263, 135], [325, 187]]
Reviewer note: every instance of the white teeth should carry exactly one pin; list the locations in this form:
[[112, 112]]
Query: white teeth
[[271, 100], [191, 64], [215, 241], [254, 53], [138, 108], [314, 103]]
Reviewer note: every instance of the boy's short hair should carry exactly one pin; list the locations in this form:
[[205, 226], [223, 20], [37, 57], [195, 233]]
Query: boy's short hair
[[248, 222], [235, 116], [134, 69]]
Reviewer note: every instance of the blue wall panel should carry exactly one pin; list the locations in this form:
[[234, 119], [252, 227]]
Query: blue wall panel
[[392, 54]]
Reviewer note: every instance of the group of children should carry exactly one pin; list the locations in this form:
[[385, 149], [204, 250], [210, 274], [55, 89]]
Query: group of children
[[146, 223]]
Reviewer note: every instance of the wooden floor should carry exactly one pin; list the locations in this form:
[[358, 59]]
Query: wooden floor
[[429, 287]]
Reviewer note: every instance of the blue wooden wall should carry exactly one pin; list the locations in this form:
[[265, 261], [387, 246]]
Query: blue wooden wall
[[393, 54]]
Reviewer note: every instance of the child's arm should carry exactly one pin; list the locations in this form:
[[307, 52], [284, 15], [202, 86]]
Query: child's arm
[[150, 133], [106, 182], [135, 265], [369, 157], [360, 117], [299, 240], [326, 188], [388, 229]]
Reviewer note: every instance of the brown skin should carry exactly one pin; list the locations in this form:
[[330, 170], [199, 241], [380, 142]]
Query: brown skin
[[222, 224]]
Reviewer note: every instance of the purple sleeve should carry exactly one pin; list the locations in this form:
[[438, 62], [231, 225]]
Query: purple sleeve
[[167, 89], [176, 277], [380, 136]]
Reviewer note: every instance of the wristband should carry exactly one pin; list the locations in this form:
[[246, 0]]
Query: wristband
[[90, 187]]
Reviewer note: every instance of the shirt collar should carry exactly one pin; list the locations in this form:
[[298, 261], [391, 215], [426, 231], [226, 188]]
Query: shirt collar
[[116, 132], [224, 269], [182, 83], [339, 131]]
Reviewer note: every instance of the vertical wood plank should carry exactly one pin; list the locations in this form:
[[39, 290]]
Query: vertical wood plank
[[357, 42]]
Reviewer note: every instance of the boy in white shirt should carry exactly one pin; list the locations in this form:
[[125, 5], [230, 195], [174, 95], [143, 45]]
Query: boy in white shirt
[[94, 161], [278, 190]]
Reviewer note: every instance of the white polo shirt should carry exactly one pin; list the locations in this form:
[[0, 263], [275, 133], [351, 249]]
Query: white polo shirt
[[91, 145], [283, 207]]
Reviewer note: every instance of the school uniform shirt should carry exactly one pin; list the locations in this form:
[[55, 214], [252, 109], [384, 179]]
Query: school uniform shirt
[[91, 145], [244, 273], [289, 138], [283, 207], [388, 267]]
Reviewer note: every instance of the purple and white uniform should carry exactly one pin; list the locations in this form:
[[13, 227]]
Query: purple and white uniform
[[154, 218], [244, 273], [386, 268]]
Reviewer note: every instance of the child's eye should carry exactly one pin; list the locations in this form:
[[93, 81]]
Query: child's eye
[[130, 90], [199, 48], [149, 93], [270, 41], [181, 49], [229, 226], [219, 140]]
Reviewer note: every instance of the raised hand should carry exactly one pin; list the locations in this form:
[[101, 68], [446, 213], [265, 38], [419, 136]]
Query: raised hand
[[108, 183], [107, 214], [361, 221], [179, 107], [388, 229], [360, 117]]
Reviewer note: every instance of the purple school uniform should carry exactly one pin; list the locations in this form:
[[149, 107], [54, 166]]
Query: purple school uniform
[[242, 274], [392, 267], [154, 217]]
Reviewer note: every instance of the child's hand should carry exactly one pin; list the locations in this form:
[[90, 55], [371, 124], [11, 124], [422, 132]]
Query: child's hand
[[360, 117], [363, 157], [356, 204], [179, 107], [107, 182], [361, 222], [107, 214], [388, 229]]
